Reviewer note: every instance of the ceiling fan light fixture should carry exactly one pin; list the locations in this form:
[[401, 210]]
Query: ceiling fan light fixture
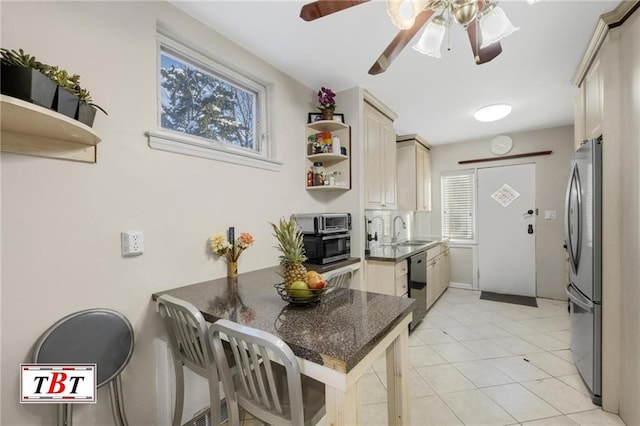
[[494, 25], [464, 11], [493, 112], [431, 39], [403, 12]]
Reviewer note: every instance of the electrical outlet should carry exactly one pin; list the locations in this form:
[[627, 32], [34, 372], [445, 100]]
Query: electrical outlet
[[132, 243]]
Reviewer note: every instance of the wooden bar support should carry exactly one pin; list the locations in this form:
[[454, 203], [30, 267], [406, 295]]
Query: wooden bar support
[[506, 157]]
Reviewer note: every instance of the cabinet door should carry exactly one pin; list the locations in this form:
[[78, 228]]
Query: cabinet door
[[593, 101], [389, 163], [446, 271], [431, 282], [579, 133], [379, 160], [423, 178], [373, 174]]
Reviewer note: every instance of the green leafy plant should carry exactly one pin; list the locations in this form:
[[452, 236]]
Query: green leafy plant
[[20, 59], [61, 77]]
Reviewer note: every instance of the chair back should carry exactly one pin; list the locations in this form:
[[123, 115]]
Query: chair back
[[339, 278], [94, 336], [257, 385], [187, 332]]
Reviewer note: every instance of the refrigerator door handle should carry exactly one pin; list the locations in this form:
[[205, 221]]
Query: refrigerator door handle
[[574, 190], [579, 300]]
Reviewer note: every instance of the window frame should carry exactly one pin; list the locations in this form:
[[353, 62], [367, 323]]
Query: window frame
[[182, 143], [473, 208]]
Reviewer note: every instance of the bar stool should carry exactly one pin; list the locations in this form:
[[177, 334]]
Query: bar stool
[[187, 332], [339, 278], [273, 392], [94, 336]]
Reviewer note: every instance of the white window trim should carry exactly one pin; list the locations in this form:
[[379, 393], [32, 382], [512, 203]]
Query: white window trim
[[181, 143]]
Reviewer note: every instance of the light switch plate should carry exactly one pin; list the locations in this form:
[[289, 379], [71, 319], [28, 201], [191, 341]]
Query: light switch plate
[[550, 215], [132, 243]]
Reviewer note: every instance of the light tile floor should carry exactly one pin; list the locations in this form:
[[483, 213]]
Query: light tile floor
[[477, 362]]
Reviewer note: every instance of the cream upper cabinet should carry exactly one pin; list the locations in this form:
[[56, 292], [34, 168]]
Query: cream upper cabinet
[[579, 132], [379, 159], [593, 101], [413, 165]]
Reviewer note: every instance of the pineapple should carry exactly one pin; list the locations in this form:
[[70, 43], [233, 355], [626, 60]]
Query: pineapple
[[292, 251]]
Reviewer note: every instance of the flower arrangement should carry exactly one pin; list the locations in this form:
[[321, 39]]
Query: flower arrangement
[[326, 99], [231, 248]]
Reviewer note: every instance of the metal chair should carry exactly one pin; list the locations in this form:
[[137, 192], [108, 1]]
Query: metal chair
[[93, 336], [187, 331], [339, 278], [273, 392]]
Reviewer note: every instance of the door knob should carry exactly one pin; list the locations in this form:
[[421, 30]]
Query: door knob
[[529, 211], [530, 229]]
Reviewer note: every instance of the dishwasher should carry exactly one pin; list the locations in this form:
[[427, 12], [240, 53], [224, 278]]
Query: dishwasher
[[418, 286]]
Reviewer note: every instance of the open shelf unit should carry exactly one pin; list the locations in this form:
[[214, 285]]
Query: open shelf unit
[[332, 162], [33, 130]]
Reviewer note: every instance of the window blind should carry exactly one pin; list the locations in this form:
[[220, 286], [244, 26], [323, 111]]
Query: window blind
[[458, 205]]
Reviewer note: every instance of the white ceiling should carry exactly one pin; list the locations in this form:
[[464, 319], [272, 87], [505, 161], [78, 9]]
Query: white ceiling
[[435, 98]]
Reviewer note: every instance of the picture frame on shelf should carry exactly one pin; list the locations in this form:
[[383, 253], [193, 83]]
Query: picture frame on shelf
[[312, 117]]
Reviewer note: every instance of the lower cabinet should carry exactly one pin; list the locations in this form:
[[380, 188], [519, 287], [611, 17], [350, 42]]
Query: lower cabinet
[[437, 272], [387, 277]]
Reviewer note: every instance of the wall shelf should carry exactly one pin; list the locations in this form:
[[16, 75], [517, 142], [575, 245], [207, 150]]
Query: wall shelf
[[33, 130]]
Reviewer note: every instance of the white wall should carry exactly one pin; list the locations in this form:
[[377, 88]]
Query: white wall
[[552, 173], [61, 220]]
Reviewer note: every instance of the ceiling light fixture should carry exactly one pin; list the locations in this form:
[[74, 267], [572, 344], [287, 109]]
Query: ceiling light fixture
[[492, 112], [494, 24]]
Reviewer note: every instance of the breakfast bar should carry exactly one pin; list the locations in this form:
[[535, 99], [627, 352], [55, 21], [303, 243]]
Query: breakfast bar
[[335, 340]]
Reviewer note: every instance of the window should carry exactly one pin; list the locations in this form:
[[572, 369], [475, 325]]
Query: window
[[208, 110], [458, 205]]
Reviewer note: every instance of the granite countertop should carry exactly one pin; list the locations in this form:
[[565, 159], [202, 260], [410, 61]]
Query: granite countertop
[[337, 332], [397, 253]]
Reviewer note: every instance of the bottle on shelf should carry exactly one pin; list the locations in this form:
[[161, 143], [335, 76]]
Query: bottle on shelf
[[318, 173]]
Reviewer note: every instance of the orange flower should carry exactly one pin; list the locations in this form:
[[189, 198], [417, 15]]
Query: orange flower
[[245, 240]]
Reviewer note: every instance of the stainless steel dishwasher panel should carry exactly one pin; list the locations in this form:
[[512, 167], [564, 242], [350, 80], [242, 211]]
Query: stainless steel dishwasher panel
[[418, 286]]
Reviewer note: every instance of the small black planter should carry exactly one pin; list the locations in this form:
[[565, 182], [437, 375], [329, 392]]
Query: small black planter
[[27, 84], [86, 113], [65, 102]]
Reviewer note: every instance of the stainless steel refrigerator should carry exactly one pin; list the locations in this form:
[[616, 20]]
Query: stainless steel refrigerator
[[583, 235]]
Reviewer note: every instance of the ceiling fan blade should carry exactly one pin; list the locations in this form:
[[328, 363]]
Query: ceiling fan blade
[[320, 8], [485, 54], [398, 43]]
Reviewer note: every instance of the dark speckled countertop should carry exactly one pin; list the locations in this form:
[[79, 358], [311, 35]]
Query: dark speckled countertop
[[338, 332], [397, 253]]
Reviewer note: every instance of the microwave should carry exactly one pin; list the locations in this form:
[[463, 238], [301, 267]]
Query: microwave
[[322, 249], [323, 223]]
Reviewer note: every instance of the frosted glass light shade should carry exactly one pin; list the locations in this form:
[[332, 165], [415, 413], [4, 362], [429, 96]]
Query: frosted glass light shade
[[492, 112], [403, 12], [494, 26], [431, 40]]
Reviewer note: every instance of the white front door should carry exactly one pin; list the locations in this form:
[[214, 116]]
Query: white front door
[[506, 229]]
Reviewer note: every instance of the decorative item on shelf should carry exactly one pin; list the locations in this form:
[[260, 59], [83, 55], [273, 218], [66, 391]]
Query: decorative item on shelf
[[231, 248], [49, 86], [292, 253], [23, 78], [327, 101]]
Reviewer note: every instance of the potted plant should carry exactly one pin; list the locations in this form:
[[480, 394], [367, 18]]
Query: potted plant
[[23, 78], [65, 102], [327, 101], [86, 108]]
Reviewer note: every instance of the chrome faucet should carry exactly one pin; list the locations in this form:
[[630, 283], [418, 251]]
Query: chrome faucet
[[394, 237]]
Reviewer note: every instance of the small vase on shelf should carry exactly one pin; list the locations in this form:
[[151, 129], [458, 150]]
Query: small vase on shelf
[[327, 114], [232, 269]]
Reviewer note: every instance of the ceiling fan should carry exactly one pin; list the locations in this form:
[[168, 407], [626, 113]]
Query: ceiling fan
[[411, 15]]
